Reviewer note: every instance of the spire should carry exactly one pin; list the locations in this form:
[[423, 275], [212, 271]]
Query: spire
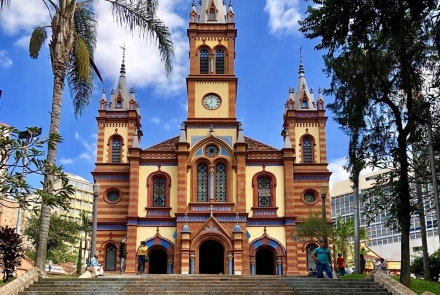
[[182, 137], [240, 137], [212, 11], [303, 98], [287, 143], [120, 98]]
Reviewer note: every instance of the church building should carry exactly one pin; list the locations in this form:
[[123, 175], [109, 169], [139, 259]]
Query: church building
[[210, 200]]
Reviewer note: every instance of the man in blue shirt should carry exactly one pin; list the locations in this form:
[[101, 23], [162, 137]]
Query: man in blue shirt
[[321, 255], [95, 267]]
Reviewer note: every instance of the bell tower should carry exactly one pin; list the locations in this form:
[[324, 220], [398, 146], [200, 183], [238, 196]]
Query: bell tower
[[211, 83]]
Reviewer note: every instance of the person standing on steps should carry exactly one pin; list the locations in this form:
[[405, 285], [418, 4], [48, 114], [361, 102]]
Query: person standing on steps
[[362, 264], [341, 264], [321, 256], [142, 257], [123, 255]]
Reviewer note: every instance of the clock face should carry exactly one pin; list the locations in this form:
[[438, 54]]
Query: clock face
[[211, 102]]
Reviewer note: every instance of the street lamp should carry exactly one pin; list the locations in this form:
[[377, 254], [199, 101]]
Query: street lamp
[[96, 189], [324, 189]]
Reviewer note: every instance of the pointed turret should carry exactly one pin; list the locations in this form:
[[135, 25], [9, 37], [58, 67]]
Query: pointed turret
[[212, 11], [120, 98], [303, 97]]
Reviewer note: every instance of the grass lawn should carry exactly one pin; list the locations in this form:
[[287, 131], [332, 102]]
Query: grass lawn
[[417, 285]]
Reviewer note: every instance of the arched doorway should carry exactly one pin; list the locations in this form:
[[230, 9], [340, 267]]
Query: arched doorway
[[211, 258], [110, 257], [311, 264], [157, 261], [265, 262]]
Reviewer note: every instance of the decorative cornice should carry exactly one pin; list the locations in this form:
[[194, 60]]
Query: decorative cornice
[[311, 177], [112, 227], [113, 177], [265, 156], [156, 164], [163, 156], [302, 114], [117, 115], [265, 164]]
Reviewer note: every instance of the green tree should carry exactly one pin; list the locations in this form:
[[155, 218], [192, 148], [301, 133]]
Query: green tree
[[10, 251], [379, 55], [73, 37], [62, 234], [343, 235], [313, 228], [417, 267], [21, 155], [84, 228]]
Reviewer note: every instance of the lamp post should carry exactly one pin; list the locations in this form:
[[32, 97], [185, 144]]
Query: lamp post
[[96, 189], [324, 189]]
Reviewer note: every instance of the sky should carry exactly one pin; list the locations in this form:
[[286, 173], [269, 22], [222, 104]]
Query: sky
[[266, 65]]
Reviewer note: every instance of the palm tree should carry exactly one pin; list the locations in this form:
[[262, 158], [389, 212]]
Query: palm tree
[[84, 227], [343, 233], [72, 44]]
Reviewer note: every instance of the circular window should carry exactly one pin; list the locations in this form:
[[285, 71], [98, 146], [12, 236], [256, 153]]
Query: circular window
[[113, 196], [211, 150], [309, 197]]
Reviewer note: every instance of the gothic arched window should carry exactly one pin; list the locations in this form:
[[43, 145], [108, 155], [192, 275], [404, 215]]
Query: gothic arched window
[[202, 183], [116, 150], [304, 104], [212, 14], [219, 62], [307, 150], [159, 194], [204, 61], [264, 192], [220, 182]]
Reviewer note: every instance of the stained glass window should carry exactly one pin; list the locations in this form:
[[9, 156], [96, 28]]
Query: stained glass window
[[202, 183], [220, 182], [307, 150], [264, 192], [116, 150], [219, 62], [204, 63], [159, 192]]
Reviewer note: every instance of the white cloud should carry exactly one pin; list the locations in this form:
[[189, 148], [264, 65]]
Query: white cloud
[[143, 65], [5, 60], [88, 156], [23, 15], [338, 171], [283, 16]]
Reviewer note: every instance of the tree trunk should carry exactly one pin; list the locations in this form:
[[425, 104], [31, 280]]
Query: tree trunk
[[63, 36]]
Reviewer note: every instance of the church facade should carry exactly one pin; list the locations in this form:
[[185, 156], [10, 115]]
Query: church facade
[[210, 200]]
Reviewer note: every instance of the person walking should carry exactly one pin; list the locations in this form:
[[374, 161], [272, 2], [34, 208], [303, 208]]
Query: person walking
[[341, 264], [321, 256], [123, 255], [142, 257]]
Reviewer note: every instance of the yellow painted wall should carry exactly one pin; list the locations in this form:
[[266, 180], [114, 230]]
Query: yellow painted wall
[[313, 131], [210, 43], [122, 131], [279, 174], [144, 172], [278, 233], [220, 88]]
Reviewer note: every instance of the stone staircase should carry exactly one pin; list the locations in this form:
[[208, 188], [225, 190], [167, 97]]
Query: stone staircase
[[201, 284], [312, 285]]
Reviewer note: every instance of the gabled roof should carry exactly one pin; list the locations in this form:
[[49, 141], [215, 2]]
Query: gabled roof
[[170, 145]]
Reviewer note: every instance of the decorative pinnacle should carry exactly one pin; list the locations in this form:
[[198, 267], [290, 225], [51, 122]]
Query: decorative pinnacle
[[123, 60]]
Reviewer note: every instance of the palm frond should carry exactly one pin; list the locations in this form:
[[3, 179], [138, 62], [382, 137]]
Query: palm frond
[[141, 15], [39, 35], [4, 3], [80, 77], [86, 25]]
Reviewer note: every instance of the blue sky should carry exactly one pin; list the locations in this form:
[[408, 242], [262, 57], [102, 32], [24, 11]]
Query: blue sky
[[267, 59]]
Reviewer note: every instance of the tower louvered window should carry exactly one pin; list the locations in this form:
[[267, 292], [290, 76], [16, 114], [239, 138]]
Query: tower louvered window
[[307, 150], [264, 192], [219, 62], [202, 183], [159, 192], [212, 14], [116, 150], [204, 61], [220, 183]]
